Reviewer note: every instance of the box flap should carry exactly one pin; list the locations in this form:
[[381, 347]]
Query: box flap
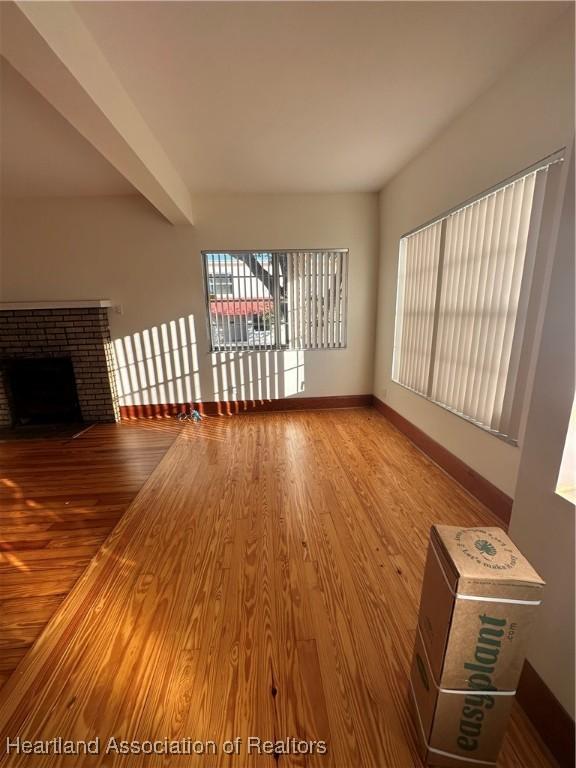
[[484, 555]]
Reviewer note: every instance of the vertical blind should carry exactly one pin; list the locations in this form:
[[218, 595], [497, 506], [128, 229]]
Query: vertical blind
[[417, 287], [316, 299], [265, 300], [464, 284]]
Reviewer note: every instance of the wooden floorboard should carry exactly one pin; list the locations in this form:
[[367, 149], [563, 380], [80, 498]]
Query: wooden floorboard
[[264, 582], [59, 500]]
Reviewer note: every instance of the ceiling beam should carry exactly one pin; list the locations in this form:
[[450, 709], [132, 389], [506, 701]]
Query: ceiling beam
[[51, 47]]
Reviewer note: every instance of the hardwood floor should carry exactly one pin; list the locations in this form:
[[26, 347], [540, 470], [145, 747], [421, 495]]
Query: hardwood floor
[[264, 582], [59, 500]]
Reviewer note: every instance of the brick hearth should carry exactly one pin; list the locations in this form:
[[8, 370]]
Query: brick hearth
[[83, 334]]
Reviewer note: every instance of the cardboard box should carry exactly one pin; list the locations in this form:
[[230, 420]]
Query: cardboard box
[[456, 728], [479, 599], [478, 603]]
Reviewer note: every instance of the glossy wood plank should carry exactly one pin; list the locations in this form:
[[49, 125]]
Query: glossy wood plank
[[495, 499], [265, 581], [59, 500]]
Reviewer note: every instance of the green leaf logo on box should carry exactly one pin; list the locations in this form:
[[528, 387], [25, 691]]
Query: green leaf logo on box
[[486, 547]]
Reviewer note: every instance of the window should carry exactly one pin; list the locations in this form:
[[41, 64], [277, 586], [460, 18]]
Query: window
[[220, 285], [262, 300], [262, 322], [464, 288]]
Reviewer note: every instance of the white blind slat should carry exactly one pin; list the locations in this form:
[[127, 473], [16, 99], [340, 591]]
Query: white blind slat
[[409, 316], [343, 324], [336, 308], [463, 257], [420, 308], [398, 358], [462, 369]]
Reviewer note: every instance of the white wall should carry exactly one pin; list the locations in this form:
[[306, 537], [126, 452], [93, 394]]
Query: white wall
[[543, 523], [120, 248], [524, 116]]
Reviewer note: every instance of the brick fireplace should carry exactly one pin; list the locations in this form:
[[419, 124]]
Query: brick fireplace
[[79, 332]]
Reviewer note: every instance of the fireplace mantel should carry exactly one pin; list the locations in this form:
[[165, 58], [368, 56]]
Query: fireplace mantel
[[71, 304]]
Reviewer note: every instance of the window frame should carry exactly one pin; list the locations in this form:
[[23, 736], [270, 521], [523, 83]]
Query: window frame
[[276, 347], [226, 276]]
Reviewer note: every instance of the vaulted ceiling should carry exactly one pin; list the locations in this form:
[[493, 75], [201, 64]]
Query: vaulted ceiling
[[245, 97], [42, 154]]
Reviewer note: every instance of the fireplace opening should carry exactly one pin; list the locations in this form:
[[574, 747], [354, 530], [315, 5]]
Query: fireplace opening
[[42, 391]]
